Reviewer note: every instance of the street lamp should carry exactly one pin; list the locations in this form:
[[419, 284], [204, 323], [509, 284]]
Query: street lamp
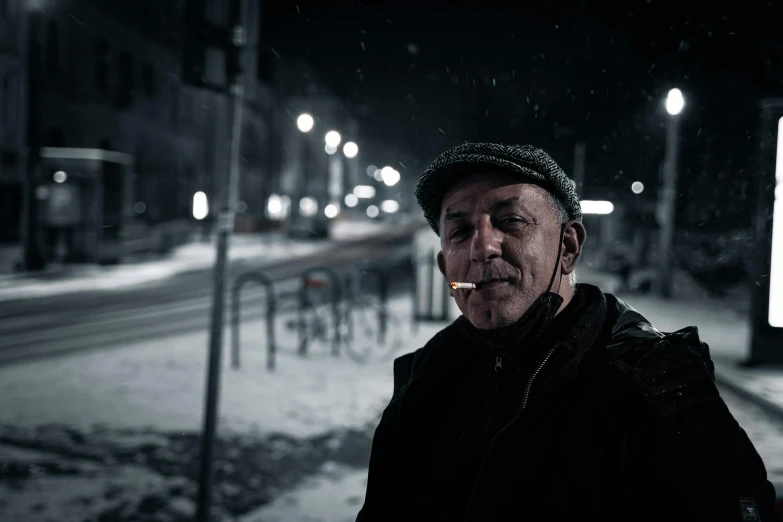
[[350, 150], [305, 122], [675, 102], [333, 138], [390, 176]]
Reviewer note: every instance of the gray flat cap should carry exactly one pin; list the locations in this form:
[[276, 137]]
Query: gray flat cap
[[531, 163]]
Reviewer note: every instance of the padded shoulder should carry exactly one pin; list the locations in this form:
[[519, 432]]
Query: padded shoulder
[[673, 372]]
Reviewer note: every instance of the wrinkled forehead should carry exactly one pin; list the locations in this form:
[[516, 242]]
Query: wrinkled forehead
[[489, 187]]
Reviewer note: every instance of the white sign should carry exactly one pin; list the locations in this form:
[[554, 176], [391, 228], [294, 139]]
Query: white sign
[[776, 264]]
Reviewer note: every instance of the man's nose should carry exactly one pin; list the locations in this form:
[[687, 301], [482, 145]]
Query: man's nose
[[486, 243]]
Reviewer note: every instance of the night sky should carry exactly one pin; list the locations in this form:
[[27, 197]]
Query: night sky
[[424, 76]]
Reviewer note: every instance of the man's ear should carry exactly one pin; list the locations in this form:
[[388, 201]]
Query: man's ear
[[442, 263], [574, 237], [442, 268]]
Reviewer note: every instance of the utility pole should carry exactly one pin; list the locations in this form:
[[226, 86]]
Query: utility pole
[[668, 196], [33, 257], [225, 227]]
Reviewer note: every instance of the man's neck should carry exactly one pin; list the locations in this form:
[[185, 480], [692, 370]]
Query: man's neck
[[567, 293]]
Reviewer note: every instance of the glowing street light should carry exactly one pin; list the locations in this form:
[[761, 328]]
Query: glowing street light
[[637, 187], [330, 149], [200, 206], [333, 139], [331, 210], [373, 212], [668, 195], [390, 206], [364, 191], [274, 205], [350, 150], [305, 122], [351, 200], [596, 207], [308, 206], [675, 102], [60, 176], [390, 176]]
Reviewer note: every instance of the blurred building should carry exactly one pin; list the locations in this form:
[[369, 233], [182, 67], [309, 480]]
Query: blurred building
[[12, 53], [110, 79]]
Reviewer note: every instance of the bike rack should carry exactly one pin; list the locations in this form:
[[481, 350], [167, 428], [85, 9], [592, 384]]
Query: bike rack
[[240, 282], [308, 282], [383, 291]]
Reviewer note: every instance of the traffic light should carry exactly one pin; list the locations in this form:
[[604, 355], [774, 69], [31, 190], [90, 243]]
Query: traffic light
[[194, 48], [206, 45]]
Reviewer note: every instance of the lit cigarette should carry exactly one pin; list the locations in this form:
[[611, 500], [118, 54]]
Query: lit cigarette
[[456, 285]]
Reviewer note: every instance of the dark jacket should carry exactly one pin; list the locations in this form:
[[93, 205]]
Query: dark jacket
[[604, 418]]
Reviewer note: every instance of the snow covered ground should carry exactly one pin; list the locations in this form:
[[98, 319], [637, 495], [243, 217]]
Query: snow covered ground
[[192, 256], [334, 494], [159, 386]]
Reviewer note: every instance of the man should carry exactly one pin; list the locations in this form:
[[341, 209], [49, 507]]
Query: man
[[548, 400]]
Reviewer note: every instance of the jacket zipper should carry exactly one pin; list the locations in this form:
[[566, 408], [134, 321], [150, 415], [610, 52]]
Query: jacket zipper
[[522, 406]]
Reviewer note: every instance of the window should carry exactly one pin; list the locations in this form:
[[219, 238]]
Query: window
[[126, 80], [148, 80], [53, 48], [101, 64], [175, 101], [5, 98], [54, 138]]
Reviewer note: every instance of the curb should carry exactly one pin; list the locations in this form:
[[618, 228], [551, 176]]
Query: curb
[[769, 407]]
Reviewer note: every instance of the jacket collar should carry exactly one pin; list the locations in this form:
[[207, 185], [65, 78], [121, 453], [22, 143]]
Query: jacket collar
[[600, 320]]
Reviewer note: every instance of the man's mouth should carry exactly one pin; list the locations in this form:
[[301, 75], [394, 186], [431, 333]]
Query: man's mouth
[[489, 283]]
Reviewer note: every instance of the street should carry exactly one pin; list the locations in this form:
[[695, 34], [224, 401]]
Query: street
[[98, 320]]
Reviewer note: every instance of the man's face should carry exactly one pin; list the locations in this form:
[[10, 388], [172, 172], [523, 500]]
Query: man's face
[[503, 234]]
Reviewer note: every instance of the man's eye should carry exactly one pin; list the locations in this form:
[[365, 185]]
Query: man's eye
[[510, 220], [457, 232]]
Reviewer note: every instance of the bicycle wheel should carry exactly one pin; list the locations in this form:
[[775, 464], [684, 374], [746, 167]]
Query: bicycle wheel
[[371, 333], [316, 328]]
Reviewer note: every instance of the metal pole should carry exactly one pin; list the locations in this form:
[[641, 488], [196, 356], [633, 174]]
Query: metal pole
[[33, 258], [271, 309], [235, 315], [225, 228], [336, 298], [303, 303], [667, 204]]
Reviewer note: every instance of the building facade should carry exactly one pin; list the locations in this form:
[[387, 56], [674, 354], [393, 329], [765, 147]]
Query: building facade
[[12, 67], [110, 79]]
